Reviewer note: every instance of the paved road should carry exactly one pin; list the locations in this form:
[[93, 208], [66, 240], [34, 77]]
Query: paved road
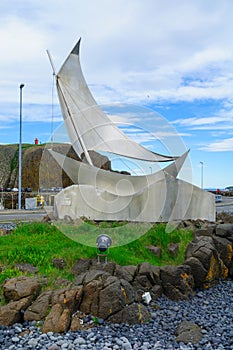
[[226, 205], [21, 215]]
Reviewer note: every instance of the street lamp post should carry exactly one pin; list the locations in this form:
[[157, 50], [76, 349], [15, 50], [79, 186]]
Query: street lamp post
[[20, 146], [202, 174]]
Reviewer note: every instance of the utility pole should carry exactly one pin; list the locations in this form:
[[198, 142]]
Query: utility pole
[[20, 146], [202, 174]]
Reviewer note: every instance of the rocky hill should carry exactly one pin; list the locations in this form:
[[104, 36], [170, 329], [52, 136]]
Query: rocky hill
[[39, 169], [7, 160]]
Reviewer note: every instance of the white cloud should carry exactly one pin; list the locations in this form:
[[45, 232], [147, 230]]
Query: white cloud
[[198, 121], [222, 121], [136, 48], [169, 51], [20, 43], [225, 145]]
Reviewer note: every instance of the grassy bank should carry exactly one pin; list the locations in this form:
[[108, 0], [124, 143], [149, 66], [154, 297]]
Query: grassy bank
[[39, 243]]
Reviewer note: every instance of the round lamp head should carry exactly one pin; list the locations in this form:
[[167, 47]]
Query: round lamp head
[[103, 242]]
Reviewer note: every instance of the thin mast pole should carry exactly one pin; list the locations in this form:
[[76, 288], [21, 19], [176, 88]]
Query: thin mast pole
[[88, 158], [54, 75], [51, 62]]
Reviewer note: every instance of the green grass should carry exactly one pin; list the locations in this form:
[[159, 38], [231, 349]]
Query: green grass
[[38, 243]]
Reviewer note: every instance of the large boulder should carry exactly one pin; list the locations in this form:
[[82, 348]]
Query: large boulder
[[64, 303], [177, 282], [21, 287], [39, 308], [198, 271], [95, 275], [68, 298], [224, 249], [27, 268], [103, 298], [146, 278], [13, 311], [89, 303], [58, 320], [225, 230], [202, 248], [108, 266], [157, 251], [81, 265], [126, 272], [152, 272], [188, 332], [205, 262], [173, 249], [114, 296], [131, 314], [205, 231]]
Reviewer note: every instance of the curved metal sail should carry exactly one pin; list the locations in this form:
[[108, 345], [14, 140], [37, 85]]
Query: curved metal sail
[[118, 184], [88, 127]]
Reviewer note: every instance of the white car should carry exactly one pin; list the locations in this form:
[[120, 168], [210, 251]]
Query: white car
[[15, 189], [218, 198]]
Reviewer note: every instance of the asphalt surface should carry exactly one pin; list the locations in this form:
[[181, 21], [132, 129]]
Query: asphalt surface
[[225, 206], [9, 215]]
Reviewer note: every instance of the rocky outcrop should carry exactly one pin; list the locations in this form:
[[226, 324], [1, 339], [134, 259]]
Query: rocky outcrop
[[131, 314], [13, 311], [58, 320], [7, 156], [19, 293], [177, 282], [188, 332], [21, 287], [31, 161], [39, 308], [107, 291], [210, 256]]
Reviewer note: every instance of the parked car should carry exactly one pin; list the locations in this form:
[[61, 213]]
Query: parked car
[[43, 189], [218, 198], [28, 189], [53, 189], [15, 189]]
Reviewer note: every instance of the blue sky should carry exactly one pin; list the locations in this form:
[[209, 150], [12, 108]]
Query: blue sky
[[174, 57]]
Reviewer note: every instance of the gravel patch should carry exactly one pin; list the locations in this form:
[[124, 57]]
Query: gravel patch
[[8, 226], [210, 309]]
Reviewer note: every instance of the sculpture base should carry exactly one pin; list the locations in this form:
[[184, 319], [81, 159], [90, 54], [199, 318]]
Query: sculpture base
[[169, 199]]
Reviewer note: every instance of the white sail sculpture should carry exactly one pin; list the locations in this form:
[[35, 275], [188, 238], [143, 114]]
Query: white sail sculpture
[[89, 128], [103, 195]]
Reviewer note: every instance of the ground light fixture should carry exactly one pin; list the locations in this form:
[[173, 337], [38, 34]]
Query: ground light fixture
[[103, 242]]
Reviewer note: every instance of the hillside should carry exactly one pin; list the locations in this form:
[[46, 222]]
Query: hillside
[[39, 169]]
